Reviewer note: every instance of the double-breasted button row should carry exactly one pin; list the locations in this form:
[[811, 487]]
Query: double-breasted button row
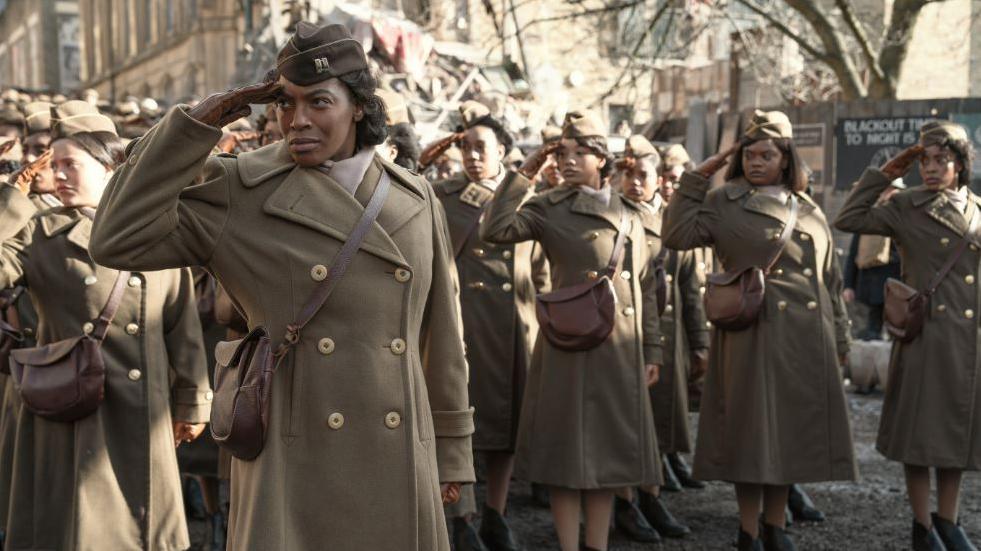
[[393, 420], [131, 328], [782, 305], [507, 286]]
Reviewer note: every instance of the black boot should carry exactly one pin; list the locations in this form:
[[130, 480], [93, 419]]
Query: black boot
[[465, 537], [683, 472], [776, 539], [926, 539], [496, 533], [802, 507], [631, 522], [660, 518], [671, 483], [539, 495], [952, 534], [217, 532], [747, 543]]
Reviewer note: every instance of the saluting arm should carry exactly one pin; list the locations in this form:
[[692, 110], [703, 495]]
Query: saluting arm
[[687, 224], [167, 205], [16, 229], [509, 218], [862, 214]]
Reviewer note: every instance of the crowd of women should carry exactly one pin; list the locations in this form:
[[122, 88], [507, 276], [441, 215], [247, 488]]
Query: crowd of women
[[558, 316]]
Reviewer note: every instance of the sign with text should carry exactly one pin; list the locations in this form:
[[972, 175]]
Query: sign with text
[[810, 141], [861, 143]]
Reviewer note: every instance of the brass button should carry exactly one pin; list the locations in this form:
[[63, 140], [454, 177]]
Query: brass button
[[393, 420], [628, 311], [708, 325], [506, 254], [132, 329], [326, 345], [625, 275], [778, 271], [507, 286], [663, 339], [701, 290], [969, 279], [90, 280], [397, 346], [28, 331], [668, 309], [945, 241], [668, 278], [808, 272], [134, 374], [479, 285], [479, 253], [318, 272], [209, 396], [335, 421], [88, 327], [941, 307], [592, 274], [969, 314], [804, 237], [134, 281], [782, 305], [701, 266], [812, 305], [774, 236], [594, 235], [402, 275]]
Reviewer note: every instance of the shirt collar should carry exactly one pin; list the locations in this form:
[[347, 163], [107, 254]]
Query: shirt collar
[[349, 172]]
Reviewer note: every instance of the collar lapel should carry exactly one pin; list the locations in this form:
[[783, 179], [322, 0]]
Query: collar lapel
[[63, 219], [400, 206], [946, 214], [584, 203]]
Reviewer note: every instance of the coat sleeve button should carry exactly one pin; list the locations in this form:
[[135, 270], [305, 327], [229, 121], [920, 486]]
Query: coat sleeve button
[[88, 327], [326, 346], [132, 329], [397, 347], [402, 275], [393, 420], [134, 374], [335, 421], [318, 272], [812, 305]]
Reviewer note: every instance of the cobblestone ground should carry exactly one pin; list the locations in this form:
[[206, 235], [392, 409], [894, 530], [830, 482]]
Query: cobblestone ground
[[870, 514]]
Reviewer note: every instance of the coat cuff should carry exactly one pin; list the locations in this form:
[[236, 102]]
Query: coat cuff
[[454, 452], [192, 405], [694, 186], [653, 354]]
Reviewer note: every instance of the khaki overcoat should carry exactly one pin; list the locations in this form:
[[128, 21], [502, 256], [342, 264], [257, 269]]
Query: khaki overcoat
[[586, 419], [773, 409], [497, 302], [370, 411], [931, 415], [109, 480]]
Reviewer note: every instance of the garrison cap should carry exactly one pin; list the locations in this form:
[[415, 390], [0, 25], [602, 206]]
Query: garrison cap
[[37, 117], [472, 112], [12, 116], [315, 54], [582, 124], [941, 132], [76, 116], [675, 155], [551, 133], [640, 147], [769, 124]]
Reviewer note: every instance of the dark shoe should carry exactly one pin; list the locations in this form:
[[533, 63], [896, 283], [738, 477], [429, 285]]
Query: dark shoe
[[683, 472], [776, 539], [631, 522], [926, 539], [660, 518], [952, 534], [584, 548], [747, 543], [539, 495], [496, 533], [217, 532], [802, 507], [671, 483], [465, 537]]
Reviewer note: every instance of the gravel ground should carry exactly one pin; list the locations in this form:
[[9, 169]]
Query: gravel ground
[[870, 514]]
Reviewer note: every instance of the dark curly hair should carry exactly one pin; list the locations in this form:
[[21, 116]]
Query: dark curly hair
[[104, 147], [964, 151], [597, 144], [371, 129], [406, 144], [503, 136], [794, 176]]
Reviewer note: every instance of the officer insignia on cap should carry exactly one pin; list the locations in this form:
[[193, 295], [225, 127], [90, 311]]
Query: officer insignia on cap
[[322, 64]]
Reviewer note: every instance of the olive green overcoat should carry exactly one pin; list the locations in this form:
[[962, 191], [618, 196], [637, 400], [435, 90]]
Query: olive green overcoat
[[773, 409], [497, 301], [109, 480], [931, 415], [370, 412], [586, 420]]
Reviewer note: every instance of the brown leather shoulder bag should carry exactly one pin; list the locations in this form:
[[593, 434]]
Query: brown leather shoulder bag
[[581, 317], [66, 380], [733, 299], [245, 368], [906, 308]]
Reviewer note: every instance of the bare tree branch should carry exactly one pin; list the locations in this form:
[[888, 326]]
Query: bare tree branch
[[780, 26], [848, 14]]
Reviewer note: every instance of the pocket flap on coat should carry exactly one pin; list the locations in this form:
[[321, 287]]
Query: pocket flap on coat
[[225, 351], [45, 355]]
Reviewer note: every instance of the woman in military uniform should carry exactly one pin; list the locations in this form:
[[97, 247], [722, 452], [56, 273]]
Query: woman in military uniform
[[369, 414], [586, 425], [109, 480], [931, 416], [774, 411]]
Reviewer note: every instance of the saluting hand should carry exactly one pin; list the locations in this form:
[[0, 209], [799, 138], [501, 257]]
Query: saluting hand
[[220, 109], [450, 492], [434, 150], [534, 162], [186, 432], [24, 178], [712, 165], [899, 166]]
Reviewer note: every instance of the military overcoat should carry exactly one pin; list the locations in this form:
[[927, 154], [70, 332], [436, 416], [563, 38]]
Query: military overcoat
[[773, 409], [370, 411], [586, 418], [497, 301], [931, 415], [109, 480]]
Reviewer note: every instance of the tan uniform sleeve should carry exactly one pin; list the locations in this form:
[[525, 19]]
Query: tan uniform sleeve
[[443, 361], [687, 222], [191, 392], [692, 309], [861, 214], [509, 218], [843, 324], [167, 205], [16, 229]]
